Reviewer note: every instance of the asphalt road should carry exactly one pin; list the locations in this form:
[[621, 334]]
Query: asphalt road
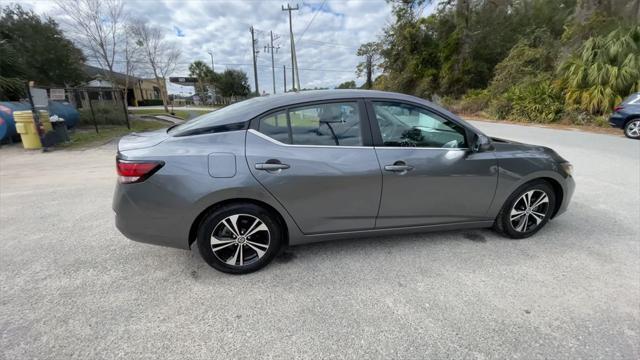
[[72, 287]]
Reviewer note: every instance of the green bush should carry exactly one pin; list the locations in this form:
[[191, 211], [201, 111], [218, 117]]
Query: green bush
[[500, 108], [574, 115], [532, 100], [106, 114], [530, 57], [473, 102]]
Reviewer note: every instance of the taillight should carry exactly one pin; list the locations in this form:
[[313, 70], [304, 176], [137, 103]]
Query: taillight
[[136, 171], [618, 108]]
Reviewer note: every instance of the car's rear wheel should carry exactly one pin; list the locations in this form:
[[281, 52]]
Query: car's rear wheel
[[632, 129], [527, 210], [239, 238]]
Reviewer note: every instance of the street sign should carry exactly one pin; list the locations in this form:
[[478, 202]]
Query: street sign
[[56, 94], [39, 97], [183, 80]]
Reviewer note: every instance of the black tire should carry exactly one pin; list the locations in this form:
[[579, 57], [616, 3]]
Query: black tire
[[635, 123], [256, 256], [504, 224]]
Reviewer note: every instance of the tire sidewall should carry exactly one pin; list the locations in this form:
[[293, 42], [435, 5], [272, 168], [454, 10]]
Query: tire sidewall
[[209, 223], [506, 212]]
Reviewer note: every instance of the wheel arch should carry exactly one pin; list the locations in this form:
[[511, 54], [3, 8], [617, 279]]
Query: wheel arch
[[549, 178], [193, 229], [629, 119], [558, 192]]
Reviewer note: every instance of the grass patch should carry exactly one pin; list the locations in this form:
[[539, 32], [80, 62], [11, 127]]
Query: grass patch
[[87, 137]]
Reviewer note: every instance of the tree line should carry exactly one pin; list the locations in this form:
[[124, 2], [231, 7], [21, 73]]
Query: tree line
[[229, 84], [35, 48], [531, 60]]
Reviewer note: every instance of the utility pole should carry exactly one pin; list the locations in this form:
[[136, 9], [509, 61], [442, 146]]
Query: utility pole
[[211, 54], [284, 72], [293, 46], [255, 67], [272, 49]]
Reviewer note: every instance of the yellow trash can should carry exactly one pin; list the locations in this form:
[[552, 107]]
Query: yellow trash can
[[26, 127], [44, 119]]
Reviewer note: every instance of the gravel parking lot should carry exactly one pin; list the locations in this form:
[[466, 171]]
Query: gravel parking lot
[[72, 287]]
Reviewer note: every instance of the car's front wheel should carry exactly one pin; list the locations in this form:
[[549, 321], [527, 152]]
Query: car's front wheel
[[527, 210], [632, 129], [239, 238]]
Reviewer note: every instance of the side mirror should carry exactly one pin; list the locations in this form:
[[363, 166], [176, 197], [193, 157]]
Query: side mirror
[[480, 143]]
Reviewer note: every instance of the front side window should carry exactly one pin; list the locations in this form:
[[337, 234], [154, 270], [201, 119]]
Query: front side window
[[326, 124], [410, 126]]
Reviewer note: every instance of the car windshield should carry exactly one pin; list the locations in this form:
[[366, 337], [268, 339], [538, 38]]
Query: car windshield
[[211, 120]]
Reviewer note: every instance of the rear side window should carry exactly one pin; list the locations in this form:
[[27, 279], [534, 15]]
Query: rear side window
[[275, 126], [326, 124], [333, 124]]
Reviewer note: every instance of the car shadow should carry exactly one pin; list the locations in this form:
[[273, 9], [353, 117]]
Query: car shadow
[[291, 255]]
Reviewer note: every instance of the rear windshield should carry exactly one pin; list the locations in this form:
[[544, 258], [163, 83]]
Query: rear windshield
[[215, 120]]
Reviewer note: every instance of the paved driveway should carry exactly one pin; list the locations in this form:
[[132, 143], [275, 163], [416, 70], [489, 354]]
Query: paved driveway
[[72, 287]]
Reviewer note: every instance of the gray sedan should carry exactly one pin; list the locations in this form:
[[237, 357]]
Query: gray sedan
[[245, 181]]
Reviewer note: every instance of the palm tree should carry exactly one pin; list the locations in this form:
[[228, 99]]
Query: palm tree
[[204, 74], [603, 71]]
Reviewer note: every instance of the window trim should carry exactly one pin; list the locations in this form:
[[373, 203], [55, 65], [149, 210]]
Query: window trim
[[274, 141], [378, 142], [365, 128]]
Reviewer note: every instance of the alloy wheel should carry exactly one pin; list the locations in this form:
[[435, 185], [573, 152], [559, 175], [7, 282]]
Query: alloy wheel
[[633, 129], [240, 239], [529, 211]]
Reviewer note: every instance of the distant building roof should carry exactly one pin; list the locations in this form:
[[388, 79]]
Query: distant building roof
[[93, 72]]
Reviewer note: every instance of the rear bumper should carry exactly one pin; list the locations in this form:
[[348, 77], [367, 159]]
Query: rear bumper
[[147, 224], [616, 121]]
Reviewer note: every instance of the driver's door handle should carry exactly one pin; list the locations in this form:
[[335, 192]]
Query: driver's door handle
[[398, 166]]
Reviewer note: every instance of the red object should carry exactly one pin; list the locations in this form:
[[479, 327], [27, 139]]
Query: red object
[[617, 108], [136, 171]]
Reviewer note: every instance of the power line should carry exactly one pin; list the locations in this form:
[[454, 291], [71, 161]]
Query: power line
[[316, 12]]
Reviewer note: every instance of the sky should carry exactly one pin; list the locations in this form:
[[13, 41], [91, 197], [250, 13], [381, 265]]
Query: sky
[[327, 34]]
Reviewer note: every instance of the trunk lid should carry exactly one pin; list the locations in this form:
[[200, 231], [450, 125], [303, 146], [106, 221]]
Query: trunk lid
[[143, 140]]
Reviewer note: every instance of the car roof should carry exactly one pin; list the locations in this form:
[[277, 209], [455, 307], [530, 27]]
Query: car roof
[[251, 108], [292, 98]]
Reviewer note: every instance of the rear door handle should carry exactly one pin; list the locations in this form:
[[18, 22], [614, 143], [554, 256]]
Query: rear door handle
[[398, 166], [271, 166]]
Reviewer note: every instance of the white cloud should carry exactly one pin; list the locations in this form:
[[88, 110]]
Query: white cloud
[[326, 51]]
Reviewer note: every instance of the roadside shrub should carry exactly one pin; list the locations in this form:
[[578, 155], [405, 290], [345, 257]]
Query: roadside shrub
[[500, 108], [106, 114], [473, 102], [533, 100], [576, 116]]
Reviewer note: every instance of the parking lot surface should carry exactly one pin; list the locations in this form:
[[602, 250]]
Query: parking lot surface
[[72, 287]]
